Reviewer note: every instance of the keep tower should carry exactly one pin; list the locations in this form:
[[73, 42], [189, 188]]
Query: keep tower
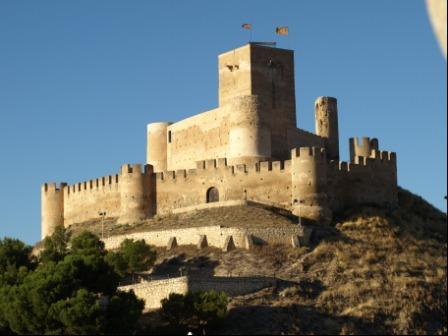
[[267, 75]]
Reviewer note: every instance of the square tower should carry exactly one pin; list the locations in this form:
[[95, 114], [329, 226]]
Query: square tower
[[267, 72]]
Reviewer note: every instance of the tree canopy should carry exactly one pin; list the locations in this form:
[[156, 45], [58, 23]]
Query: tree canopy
[[71, 291], [195, 310], [15, 259], [56, 245], [132, 256]]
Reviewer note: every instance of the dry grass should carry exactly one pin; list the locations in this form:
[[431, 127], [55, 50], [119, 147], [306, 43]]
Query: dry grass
[[373, 271], [381, 273], [235, 216]]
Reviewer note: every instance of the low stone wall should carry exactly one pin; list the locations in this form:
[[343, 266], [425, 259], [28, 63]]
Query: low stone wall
[[154, 291], [216, 236]]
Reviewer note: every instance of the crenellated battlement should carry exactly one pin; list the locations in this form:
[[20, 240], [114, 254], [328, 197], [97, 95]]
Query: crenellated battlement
[[52, 187], [92, 185], [316, 152], [136, 169], [208, 167], [377, 160], [362, 147]]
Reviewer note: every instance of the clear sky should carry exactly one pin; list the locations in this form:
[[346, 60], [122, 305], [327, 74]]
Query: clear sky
[[79, 81]]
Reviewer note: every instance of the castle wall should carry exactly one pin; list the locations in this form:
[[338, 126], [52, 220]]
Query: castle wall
[[203, 136], [301, 138], [371, 181], [266, 182], [83, 201], [308, 185]]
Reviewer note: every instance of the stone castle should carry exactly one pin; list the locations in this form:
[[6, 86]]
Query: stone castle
[[248, 148]]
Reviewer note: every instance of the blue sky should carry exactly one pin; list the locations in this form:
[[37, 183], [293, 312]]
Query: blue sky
[[80, 80]]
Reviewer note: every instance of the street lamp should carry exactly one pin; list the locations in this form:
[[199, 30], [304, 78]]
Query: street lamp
[[102, 214]]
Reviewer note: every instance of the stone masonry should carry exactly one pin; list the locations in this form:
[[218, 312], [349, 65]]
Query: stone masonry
[[248, 148]]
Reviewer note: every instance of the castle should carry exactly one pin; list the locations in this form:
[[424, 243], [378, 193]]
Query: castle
[[248, 148]]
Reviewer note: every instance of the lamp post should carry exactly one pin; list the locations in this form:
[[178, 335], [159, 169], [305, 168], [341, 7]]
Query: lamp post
[[102, 214]]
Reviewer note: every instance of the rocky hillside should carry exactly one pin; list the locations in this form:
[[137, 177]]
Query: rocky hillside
[[372, 271]]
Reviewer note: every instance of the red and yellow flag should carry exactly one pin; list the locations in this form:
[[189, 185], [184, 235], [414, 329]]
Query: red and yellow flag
[[282, 30], [246, 26]]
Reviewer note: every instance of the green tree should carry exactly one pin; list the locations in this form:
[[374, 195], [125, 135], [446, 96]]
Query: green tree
[[175, 311], [55, 246], [123, 312], [209, 307], [81, 314], [87, 243], [198, 310], [14, 254], [76, 295], [117, 262], [132, 256], [15, 263]]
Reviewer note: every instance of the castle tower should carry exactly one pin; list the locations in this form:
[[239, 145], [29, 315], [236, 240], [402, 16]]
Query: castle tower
[[309, 184], [266, 72], [363, 148], [156, 149], [52, 208], [326, 117], [249, 134], [136, 193]]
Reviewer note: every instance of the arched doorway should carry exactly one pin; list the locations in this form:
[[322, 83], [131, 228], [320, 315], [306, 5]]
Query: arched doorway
[[212, 195]]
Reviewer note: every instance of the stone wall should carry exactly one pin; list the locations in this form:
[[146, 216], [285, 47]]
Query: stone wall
[[154, 291], [265, 182], [200, 137], [83, 201], [216, 236], [373, 180], [332, 184]]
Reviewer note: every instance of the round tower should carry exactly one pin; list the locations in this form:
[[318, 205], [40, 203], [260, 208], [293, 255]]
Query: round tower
[[136, 201], [249, 134], [326, 116], [309, 184], [362, 147], [157, 139], [52, 208]]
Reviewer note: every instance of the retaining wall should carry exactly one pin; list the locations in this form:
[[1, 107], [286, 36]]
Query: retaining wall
[[155, 291]]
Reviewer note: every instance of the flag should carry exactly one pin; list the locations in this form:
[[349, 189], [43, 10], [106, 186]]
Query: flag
[[281, 30], [246, 26]]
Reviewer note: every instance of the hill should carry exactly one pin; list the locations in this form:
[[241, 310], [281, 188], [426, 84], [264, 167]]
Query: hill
[[372, 271]]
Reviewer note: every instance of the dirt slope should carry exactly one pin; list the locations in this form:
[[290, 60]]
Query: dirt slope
[[373, 271]]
